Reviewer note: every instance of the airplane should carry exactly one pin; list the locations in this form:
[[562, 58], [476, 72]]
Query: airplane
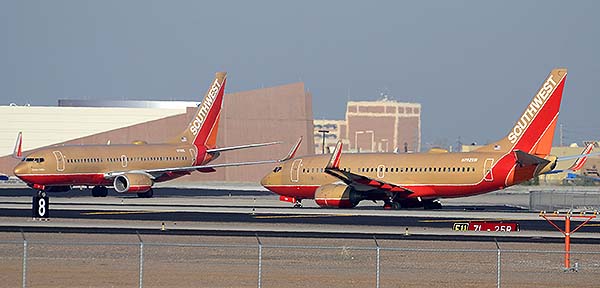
[[579, 162], [132, 168], [414, 180]]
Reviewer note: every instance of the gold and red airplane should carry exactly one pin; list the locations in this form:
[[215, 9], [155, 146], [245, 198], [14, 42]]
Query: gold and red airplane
[[132, 168], [420, 179]]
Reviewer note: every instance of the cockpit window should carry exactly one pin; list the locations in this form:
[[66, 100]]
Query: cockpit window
[[277, 169], [31, 159]]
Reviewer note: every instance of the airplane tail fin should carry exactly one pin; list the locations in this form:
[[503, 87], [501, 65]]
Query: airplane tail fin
[[202, 129], [18, 151], [580, 161], [534, 131]]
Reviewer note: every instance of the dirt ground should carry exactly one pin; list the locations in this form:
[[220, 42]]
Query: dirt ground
[[99, 260]]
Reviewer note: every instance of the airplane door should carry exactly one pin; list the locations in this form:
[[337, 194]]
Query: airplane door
[[295, 172], [123, 161], [194, 155], [487, 170], [380, 171], [60, 161]]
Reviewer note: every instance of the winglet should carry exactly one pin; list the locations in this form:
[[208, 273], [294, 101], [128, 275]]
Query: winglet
[[334, 162], [18, 151], [292, 151], [581, 160]]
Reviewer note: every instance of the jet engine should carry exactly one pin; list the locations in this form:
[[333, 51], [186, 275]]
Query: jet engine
[[550, 166], [337, 196], [132, 183]]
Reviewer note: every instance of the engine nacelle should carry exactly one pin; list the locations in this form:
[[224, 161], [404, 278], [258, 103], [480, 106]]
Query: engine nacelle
[[550, 166], [336, 196], [132, 183]]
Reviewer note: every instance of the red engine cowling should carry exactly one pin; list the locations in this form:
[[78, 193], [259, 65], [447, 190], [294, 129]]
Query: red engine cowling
[[132, 183], [336, 196]]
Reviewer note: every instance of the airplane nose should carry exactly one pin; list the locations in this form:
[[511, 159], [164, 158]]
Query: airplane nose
[[265, 181], [20, 169]]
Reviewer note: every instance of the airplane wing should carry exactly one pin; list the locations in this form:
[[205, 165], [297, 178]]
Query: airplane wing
[[221, 149], [155, 173], [360, 182]]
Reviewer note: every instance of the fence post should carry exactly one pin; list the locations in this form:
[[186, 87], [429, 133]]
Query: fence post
[[24, 259], [498, 265], [141, 269], [378, 254], [259, 261]]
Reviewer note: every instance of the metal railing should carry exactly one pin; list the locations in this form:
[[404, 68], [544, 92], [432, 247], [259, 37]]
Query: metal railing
[[66, 259]]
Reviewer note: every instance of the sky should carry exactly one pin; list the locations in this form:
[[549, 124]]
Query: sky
[[473, 65]]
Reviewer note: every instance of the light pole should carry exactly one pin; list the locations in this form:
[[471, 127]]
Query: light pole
[[324, 132]]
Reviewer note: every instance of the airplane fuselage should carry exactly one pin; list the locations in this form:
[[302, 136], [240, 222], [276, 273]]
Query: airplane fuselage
[[427, 175], [89, 164]]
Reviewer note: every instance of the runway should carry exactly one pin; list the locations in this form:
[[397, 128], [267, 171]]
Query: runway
[[251, 213]]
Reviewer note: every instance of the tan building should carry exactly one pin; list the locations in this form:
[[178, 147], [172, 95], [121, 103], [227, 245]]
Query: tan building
[[278, 113], [377, 126]]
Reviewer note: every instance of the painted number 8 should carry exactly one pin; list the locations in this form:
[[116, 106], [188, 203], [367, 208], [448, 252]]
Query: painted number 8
[[42, 207]]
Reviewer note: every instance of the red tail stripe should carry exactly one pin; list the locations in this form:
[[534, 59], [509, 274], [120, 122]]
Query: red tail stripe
[[542, 120]]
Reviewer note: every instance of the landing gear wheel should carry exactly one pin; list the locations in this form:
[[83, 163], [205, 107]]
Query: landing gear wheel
[[147, 194], [432, 205], [297, 204], [99, 191]]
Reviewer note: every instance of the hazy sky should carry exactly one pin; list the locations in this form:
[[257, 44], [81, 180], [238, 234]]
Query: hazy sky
[[473, 65]]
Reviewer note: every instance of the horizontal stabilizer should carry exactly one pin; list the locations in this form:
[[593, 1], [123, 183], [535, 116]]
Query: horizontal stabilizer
[[242, 147], [525, 159]]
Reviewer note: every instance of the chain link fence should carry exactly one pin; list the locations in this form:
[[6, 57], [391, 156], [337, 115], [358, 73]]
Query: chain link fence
[[552, 200], [35, 263]]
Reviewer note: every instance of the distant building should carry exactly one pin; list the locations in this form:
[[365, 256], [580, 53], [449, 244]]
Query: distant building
[[336, 129], [375, 126]]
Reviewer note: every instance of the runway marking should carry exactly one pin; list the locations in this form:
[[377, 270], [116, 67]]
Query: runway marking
[[301, 216], [119, 212]]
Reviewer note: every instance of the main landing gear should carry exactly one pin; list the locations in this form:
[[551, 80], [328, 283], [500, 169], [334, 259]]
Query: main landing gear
[[298, 203], [432, 204], [99, 191], [147, 194], [429, 204]]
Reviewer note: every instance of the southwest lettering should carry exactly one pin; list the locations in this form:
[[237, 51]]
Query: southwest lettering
[[532, 110], [205, 107]]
